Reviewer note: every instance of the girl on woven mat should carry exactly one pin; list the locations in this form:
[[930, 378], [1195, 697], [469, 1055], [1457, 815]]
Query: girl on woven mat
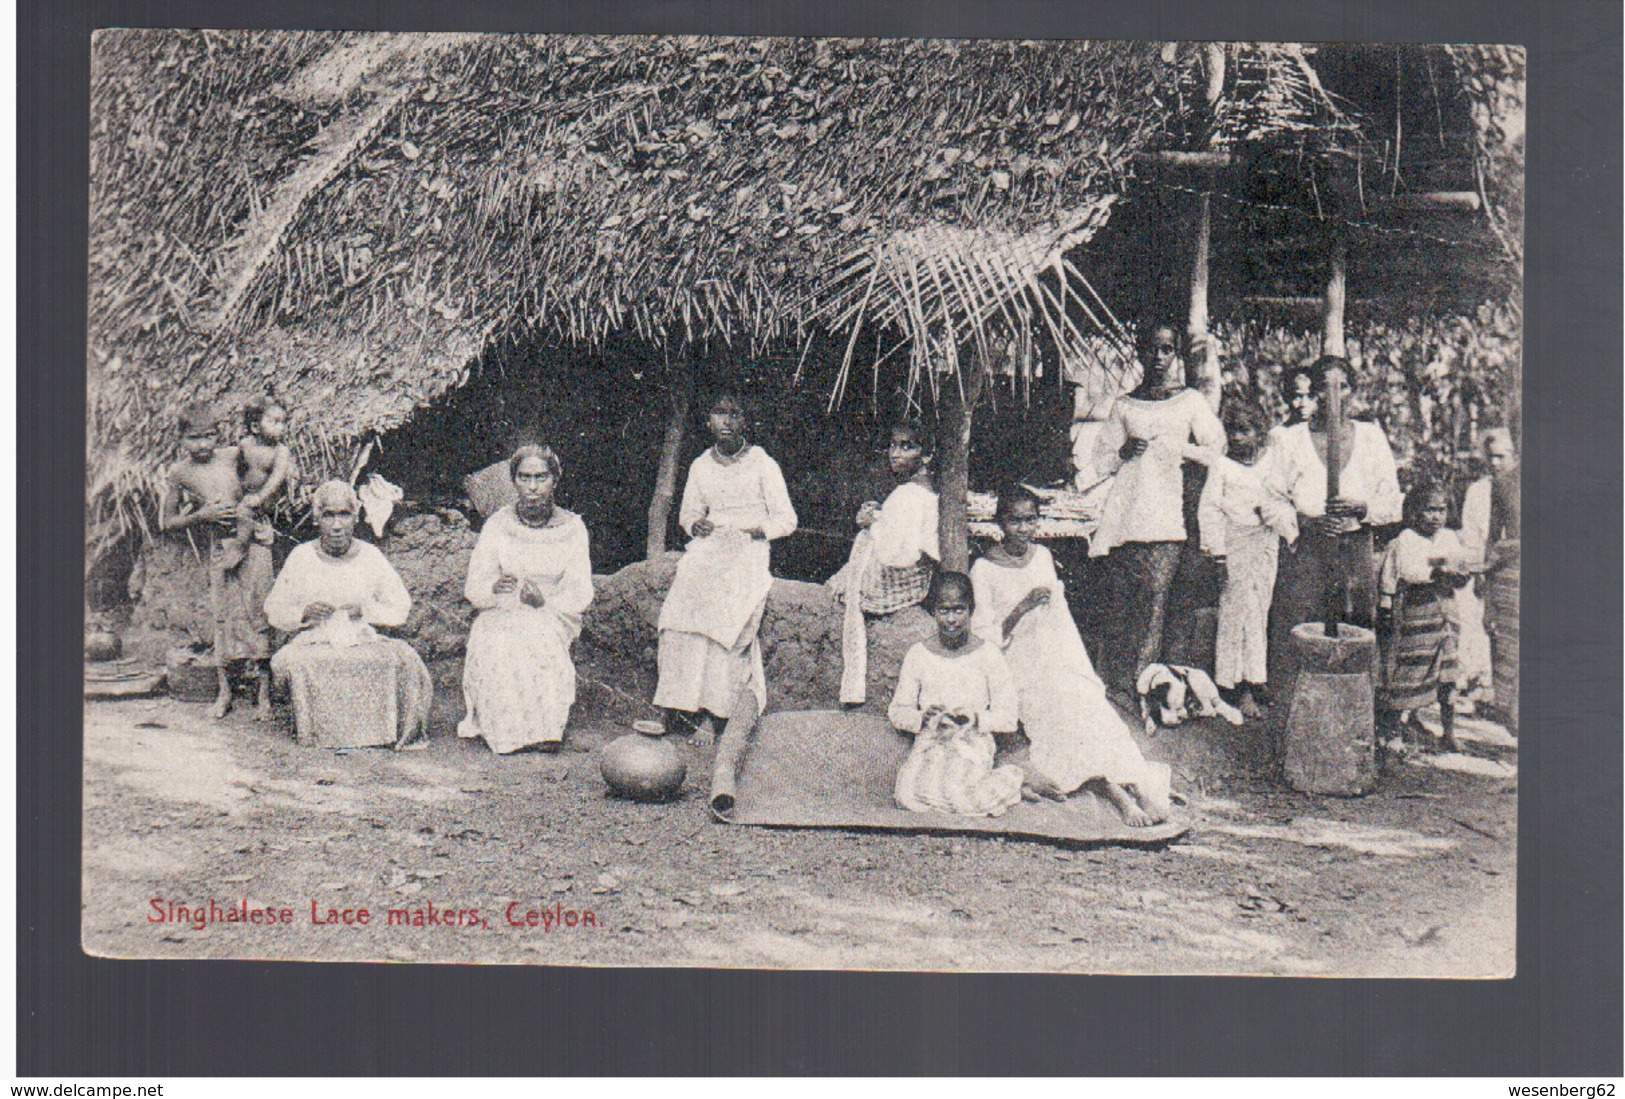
[[1077, 739], [954, 693]]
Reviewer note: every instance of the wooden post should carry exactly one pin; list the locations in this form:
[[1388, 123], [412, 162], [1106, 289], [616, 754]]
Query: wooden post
[[1332, 341], [953, 522], [666, 477], [1336, 603], [1207, 379]]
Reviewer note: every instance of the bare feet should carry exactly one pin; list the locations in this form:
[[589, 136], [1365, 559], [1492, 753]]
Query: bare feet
[[262, 708], [1041, 784], [1042, 788], [705, 733], [1127, 807], [1249, 707], [222, 704], [1157, 810]]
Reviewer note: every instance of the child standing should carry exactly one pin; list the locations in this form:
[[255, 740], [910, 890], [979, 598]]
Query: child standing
[[954, 693], [204, 492], [734, 504], [1420, 572], [1242, 525]]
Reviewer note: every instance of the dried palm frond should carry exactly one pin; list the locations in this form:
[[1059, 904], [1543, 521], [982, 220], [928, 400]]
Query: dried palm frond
[[945, 287]]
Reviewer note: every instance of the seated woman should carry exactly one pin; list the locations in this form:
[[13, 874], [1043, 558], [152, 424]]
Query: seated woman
[[954, 694], [893, 556], [1076, 735], [734, 504], [351, 687], [531, 577]]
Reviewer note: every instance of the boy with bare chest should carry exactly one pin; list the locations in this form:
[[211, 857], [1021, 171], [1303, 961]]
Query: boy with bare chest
[[204, 492]]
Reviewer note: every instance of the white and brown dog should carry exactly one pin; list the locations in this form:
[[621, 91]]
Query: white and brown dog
[[1169, 693]]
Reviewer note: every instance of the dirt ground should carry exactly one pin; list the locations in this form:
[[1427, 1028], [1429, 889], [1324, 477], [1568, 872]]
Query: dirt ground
[[1417, 879]]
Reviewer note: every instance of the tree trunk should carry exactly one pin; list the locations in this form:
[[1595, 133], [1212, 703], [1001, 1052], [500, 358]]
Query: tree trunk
[[1207, 371], [1332, 341], [1207, 368], [666, 477], [953, 521]]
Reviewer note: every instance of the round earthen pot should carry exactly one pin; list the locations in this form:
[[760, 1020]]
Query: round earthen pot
[[102, 644], [643, 767]]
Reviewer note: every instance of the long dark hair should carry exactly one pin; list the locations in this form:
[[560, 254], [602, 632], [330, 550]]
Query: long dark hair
[[535, 450]]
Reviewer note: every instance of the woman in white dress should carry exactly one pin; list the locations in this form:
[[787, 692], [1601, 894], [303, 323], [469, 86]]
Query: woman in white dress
[[531, 578], [1076, 735], [1332, 553], [893, 557], [1148, 438], [734, 504]]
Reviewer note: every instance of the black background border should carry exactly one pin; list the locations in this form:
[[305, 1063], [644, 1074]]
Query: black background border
[[1560, 1015]]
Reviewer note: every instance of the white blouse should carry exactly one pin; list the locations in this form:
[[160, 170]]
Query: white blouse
[[1292, 468], [555, 558], [362, 577], [1235, 501], [739, 493], [1146, 503], [905, 527], [1407, 559], [976, 682]]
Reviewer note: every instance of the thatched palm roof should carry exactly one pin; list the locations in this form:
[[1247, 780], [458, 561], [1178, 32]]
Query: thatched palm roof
[[348, 219]]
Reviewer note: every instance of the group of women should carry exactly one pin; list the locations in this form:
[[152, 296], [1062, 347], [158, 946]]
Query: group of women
[[1001, 656], [530, 579], [1294, 553]]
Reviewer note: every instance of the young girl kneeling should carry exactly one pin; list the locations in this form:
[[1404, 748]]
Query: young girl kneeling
[[954, 693]]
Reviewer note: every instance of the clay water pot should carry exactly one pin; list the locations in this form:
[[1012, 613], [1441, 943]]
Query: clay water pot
[[102, 644], [643, 766]]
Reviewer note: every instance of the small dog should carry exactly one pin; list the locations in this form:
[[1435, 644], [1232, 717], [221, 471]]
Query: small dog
[[1169, 693]]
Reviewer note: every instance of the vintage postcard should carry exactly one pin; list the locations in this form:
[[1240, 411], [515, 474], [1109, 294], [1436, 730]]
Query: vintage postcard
[[890, 504]]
